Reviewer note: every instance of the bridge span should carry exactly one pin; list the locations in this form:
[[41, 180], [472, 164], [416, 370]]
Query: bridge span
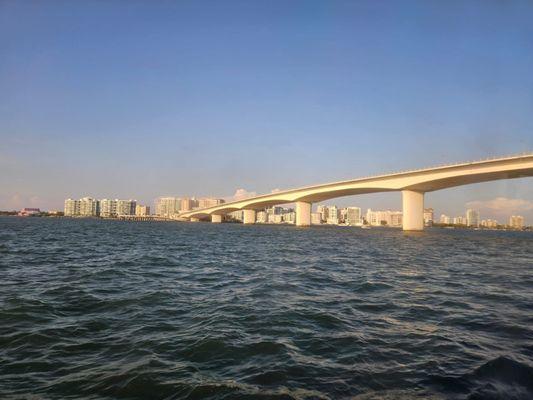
[[413, 184]]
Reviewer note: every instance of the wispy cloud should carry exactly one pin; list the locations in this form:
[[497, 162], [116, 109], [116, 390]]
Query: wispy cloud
[[502, 205]]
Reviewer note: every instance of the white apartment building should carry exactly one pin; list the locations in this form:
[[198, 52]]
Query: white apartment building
[[333, 215], [516, 222], [72, 208], [126, 207], [323, 211], [142, 211], [207, 202], [167, 206], [472, 217], [428, 216], [261, 217], [386, 217], [316, 218], [353, 216], [89, 207], [108, 208]]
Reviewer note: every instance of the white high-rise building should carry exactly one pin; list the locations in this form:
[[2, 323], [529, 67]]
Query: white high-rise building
[[207, 202], [428, 216], [72, 208], [516, 222], [444, 219], [89, 207], [316, 218], [142, 211], [108, 208], [261, 217], [459, 220], [472, 217], [167, 206], [353, 216], [323, 211], [333, 215], [126, 207]]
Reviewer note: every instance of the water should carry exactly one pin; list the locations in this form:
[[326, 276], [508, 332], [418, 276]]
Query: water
[[107, 309]]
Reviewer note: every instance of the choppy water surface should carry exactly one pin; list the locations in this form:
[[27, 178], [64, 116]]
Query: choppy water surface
[[102, 309]]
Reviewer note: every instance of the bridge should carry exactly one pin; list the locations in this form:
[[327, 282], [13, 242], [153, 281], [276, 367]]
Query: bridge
[[413, 184]]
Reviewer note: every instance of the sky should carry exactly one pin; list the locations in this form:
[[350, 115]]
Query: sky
[[139, 99]]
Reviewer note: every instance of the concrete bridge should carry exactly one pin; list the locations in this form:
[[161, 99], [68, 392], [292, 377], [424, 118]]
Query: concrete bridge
[[413, 184]]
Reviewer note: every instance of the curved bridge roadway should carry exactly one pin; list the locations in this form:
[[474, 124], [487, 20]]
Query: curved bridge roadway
[[413, 184]]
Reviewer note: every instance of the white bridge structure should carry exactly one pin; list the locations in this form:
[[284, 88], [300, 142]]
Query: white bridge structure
[[413, 184]]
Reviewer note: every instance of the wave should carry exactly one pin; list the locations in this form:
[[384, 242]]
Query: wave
[[498, 379]]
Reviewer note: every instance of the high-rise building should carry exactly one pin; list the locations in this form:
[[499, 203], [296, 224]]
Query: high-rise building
[[316, 218], [72, 208], [387, 217], [142, 211], [516, 222], [261, 217], [108, 208], [323, 211], [460, 220], [489, 223], [207, 202], [472, 217], [445, 219], [428, 216], [396, 218], [353, 216], [89, 207], [126, 207], [333, 215], [188, 204], [167, 206], [289, 217]]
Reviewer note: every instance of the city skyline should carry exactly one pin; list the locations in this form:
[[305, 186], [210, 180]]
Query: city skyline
[[308, 100]]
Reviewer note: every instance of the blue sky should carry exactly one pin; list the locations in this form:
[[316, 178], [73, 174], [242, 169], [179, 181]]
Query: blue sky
[[136, 99]]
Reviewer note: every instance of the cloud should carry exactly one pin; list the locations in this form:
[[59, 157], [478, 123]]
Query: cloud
[[502, 205], [241, 194]]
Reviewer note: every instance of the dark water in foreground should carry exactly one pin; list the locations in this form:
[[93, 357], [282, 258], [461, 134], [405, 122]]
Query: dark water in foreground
[[103, 309]]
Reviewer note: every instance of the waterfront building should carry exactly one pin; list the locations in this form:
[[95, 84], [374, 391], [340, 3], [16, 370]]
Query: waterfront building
[[167, 206], [516, 222], [316, 218], [333, 215], [126, 207], [89, 207], [261, 217], [289, 217], [323, 211], [472, 217], [188, 204], [72, 208], [395, 218], [444, 219], [207, 202], [108, 208], [353, 216], [275, 218], [459, 220], [142, 211], [386, 217], [276, 210], [236, 215], [489, 223], [428, 216]]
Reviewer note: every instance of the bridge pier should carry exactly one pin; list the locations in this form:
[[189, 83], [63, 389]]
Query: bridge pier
[[413, 210], [216, 218], [249, 217], [303, 213]]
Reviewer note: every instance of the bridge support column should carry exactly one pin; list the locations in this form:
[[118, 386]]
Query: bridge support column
[[216, 218], [194, 219], [303, 213], [413, 210], [249, 217]]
